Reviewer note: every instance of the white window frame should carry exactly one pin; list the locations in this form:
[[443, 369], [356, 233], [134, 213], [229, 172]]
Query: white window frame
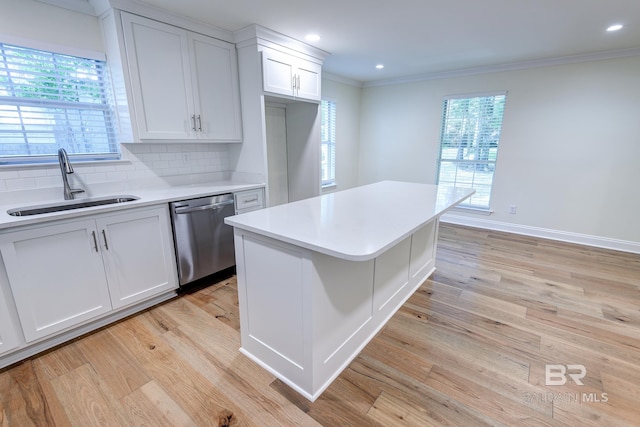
[[42, 122], [328, 143], [476, 156]]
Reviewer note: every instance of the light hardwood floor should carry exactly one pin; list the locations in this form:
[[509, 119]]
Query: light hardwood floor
[[469, 348]]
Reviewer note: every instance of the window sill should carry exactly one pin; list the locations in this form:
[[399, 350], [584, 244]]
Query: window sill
[[329, 187], [55, 165]]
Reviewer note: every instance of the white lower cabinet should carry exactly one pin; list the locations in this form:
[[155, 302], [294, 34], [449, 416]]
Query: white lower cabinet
[[250, 200], [8, 328], [64, 274], [138, 255]]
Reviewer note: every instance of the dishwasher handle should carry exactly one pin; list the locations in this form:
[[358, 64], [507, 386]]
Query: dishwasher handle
[[188, 209]]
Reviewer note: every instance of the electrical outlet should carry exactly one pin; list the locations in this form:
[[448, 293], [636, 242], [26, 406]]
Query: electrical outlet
[[513, 209]]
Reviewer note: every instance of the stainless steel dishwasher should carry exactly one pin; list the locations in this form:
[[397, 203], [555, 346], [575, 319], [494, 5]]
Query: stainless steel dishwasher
[[204, 243]]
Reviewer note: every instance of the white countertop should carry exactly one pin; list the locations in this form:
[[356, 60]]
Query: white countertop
[[148, 195], [357, 224]]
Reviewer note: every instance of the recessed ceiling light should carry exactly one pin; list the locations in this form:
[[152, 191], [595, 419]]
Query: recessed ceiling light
[[615, 27], [379, 66], [312, 37]]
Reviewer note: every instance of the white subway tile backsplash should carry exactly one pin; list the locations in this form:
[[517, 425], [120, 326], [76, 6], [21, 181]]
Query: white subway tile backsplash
[[116, 176], [94, 178], [149, 157], [8, 174], [133, 175], [49, 181], [169, 156], [140, 162], [21, 184], [136, 148], [168, 172], [160, 164], [158, 148], [31, 173]]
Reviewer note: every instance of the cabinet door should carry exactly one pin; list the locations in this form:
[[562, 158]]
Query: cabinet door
[[286, 75], [278, 70], [137, 249], [214, 70], [56, 275], [8, 329], [158, 57], [309, 79]]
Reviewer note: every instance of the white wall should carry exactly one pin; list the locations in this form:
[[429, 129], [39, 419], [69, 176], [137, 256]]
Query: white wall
[[569, 154], [347, 98]]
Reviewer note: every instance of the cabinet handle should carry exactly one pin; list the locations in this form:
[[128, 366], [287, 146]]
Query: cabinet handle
[[193, 120], [104, 236], [298, 78], [95, 240], [199, 123], [255, 199]]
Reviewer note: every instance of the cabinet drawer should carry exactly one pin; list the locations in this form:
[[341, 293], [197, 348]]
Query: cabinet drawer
[[249, 200]]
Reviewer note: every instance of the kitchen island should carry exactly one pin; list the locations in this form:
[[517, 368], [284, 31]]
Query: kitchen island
[[318, 278]]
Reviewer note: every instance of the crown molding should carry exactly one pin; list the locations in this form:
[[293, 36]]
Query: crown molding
[[152, 12], [82, 6], [256, 34], [539, 63], [341, 79]]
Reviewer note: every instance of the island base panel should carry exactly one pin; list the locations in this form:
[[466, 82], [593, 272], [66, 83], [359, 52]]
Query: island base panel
[[304, 316]]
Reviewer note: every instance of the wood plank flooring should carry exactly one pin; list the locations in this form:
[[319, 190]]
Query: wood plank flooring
[[469, 348]]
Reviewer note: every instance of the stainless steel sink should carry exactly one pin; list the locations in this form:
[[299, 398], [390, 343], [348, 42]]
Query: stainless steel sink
[[69, 205]]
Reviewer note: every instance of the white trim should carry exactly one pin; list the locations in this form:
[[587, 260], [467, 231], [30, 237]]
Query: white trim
[[257, 34], [524, 65], [341, 79], [545, 233], [137, 7], [81, 6]]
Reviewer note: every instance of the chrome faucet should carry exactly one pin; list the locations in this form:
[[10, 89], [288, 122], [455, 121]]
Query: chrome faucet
[[65, 169]]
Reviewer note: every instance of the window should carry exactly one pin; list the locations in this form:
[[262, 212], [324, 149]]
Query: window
[[328, 138], [50, 101], [469, 141]]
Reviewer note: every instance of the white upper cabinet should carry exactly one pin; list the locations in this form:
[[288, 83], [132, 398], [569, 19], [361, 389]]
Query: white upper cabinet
[[184, 86], [214, 70], [285, 74], [309, 76]]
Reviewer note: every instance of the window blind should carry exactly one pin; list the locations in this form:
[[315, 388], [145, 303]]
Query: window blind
[[328, 139], [469, 140], [50, 101]]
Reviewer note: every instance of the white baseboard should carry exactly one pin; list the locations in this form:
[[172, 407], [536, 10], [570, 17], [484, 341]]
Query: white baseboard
[[545, 233]]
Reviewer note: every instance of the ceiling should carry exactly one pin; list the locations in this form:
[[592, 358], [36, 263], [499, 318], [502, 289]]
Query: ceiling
[[424, 37]]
